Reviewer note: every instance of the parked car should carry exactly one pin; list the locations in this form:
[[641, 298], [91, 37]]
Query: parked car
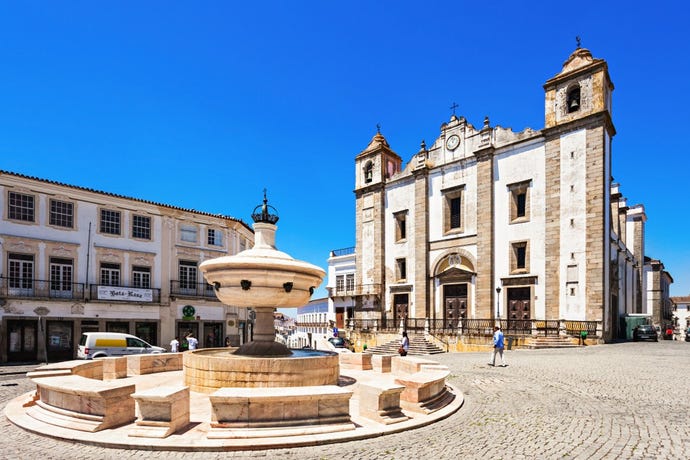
[[103, 344], [339, 342], [645, 332]]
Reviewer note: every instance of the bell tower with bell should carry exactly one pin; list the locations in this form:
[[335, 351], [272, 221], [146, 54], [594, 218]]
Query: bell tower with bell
[[583, 87], [577, 142]]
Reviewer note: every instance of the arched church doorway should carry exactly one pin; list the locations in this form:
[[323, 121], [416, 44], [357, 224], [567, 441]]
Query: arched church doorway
[[455, 304]]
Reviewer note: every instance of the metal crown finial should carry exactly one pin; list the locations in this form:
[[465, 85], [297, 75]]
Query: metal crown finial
[[265, 215]]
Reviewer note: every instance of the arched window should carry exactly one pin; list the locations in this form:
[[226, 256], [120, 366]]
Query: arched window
[[573, 102], [368, 172]]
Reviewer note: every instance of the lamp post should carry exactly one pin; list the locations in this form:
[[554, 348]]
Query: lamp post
[[498, 303]]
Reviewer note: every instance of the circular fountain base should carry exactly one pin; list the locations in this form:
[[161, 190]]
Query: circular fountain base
[[207, 370]]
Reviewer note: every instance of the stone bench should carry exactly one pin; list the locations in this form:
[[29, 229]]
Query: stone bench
[[381, 402], [83, 404], [162, 411], [88, 369], [114, 367], [425, 391], [381, 363], [153, 363], [409, 365], [361, 361], [310, 409]]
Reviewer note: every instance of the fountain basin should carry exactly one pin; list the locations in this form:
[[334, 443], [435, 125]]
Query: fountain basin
[[207, 370]]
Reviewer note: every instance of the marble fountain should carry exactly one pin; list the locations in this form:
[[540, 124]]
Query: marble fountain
[[260, 395]]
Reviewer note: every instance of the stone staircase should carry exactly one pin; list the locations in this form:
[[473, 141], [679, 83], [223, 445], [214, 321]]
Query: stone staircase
[[550, 341], [418, 346]]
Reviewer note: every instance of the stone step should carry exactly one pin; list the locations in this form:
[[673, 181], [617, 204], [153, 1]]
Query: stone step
[[544, 342], [418, 346]]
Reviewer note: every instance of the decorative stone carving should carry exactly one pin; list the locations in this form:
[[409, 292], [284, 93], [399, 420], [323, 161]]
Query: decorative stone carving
[[77, 309], [9, 308]]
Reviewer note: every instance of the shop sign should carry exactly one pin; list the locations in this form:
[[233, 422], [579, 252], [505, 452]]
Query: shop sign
[[188, 312], [129, 294]]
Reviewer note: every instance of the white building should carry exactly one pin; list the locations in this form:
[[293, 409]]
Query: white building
[[341, 286], [74, 260]]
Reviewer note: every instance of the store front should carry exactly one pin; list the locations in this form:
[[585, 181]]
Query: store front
[[22, 339], [60, 340]]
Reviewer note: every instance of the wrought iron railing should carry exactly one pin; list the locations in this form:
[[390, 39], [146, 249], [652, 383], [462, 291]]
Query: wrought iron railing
[[186, 289], [576, 327], [353, 291], [342, 252], [475, 327], [31, 288]]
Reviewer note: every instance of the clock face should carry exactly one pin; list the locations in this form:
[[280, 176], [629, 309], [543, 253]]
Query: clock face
[[452, 142]]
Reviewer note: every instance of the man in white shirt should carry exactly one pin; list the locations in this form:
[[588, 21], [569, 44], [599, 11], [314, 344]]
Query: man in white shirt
[[174, 345], [192, 342]]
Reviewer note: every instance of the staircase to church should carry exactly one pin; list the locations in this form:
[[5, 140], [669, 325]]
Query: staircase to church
[[550, 341], [418, 346]]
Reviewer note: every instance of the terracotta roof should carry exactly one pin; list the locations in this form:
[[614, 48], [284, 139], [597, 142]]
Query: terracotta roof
[[100, 192], [681, 299]]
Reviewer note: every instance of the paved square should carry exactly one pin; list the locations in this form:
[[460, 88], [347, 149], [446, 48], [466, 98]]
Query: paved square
[[627, 400]]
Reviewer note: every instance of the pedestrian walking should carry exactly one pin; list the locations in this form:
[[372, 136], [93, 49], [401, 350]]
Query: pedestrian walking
[[498, 347], [174, 345], [192, 342], [404, 345]]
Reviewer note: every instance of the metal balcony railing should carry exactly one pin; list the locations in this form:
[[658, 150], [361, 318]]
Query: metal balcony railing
[[23, 288], [342, 252], [186, 289], [356, 290]]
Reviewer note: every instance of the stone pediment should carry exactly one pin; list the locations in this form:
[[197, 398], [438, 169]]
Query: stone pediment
[[580, 58], [455, 274]]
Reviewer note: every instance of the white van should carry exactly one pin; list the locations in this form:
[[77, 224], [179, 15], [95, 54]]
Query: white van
[[102, 344]]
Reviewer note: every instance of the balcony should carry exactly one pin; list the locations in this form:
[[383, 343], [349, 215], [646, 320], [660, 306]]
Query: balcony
[[23, 288], [354, 291], [193, 290], [342, 252]]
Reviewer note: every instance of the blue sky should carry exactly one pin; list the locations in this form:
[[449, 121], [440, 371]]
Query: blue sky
[[204, 104]]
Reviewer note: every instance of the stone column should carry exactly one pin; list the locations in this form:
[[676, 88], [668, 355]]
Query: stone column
[[596, 235], [486, 283], [552, 233], [421, 238]]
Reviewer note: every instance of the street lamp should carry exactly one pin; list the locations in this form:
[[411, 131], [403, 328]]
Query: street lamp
[[498, 302]]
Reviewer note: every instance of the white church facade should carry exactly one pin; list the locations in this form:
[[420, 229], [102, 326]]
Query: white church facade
[[487, 223]]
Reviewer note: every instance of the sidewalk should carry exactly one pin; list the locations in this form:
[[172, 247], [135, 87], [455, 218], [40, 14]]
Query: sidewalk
[[18, 368]]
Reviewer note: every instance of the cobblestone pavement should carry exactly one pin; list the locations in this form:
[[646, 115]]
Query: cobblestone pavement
[[620, 401]]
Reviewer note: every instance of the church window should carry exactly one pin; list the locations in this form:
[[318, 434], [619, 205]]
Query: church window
[[452, 210], [519, 257], [401, 269], [519, 204], [573, 101], [368, 172], [400, 225]]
